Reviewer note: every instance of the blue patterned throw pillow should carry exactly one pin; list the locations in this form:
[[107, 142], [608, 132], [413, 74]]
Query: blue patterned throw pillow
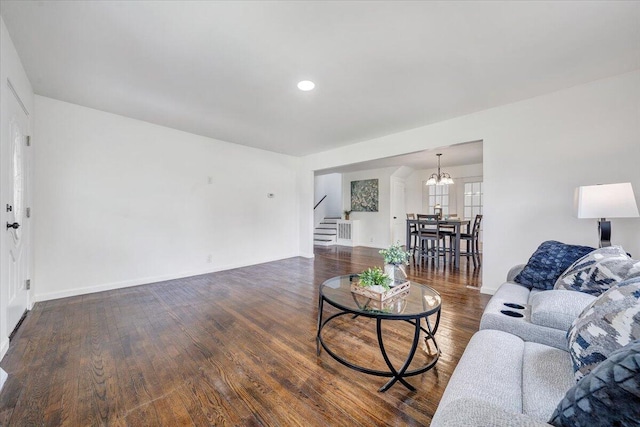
[[610, 322], [608, 396], [597, 271], [548, 262]]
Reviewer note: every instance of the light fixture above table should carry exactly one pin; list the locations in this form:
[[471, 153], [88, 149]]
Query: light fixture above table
[[441, 178]]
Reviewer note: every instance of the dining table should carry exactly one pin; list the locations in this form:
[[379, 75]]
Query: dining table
[[455, 224]]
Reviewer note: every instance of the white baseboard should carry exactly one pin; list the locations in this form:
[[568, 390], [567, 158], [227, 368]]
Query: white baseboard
[[3, 378], [307, 255], [153, 279], [372, 245], [4, 347], [488, 290]]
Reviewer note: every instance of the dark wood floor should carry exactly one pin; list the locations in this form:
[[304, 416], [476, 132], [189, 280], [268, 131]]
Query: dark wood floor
[[230, 348]]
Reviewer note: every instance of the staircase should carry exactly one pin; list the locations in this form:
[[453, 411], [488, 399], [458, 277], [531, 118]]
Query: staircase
[[325, 233]]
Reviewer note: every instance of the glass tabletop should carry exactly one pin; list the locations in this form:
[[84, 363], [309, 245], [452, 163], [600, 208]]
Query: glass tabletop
[[417, 301]]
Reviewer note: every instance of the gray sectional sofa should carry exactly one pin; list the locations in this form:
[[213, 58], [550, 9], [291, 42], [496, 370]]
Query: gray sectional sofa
[[517, 368], [520, 367]]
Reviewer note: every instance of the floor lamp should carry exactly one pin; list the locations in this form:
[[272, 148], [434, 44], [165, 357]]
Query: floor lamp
[[606, 201]]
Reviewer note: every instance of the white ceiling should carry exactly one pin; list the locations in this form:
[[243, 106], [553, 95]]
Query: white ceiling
[[229, 70]]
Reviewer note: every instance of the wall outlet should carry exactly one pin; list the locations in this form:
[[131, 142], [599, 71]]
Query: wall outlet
[[270, 195], [209, 259], [371, 240], [209, 180]]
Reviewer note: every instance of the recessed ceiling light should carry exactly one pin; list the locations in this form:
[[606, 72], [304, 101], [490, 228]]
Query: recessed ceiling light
[[306, 85]]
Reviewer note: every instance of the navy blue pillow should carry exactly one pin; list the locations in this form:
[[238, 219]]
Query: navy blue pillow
[[548, 262], [607, 396]]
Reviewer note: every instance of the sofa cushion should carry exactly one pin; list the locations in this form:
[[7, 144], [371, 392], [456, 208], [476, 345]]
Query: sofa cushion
[[558, 309], [546, 376], [609, 395], [548, 262], [610, 322], [597, 271]]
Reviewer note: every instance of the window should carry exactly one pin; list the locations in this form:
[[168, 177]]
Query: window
[[472, 199], [438, 195], [473, 202]]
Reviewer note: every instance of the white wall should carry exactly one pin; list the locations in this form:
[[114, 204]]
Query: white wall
[[331, 186], [535, 153], [374, 227], [11, 68], [122, 202], [306, 224]]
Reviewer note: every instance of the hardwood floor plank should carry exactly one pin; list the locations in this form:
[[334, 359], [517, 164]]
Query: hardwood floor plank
[[232, 348]]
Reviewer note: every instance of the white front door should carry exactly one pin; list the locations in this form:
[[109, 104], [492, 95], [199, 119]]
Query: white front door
[[15, 230], [398, 214]]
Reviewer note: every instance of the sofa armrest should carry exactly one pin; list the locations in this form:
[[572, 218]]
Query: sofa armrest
[[473, 412], [514, 272]]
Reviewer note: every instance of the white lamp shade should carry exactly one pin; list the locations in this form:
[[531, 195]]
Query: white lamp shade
[[606, 201]]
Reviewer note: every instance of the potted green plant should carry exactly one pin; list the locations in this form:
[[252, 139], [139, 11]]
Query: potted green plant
[[395, 257], [346, 215], [375, 279]]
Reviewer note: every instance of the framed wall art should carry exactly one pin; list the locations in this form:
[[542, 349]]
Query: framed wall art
[[364, 195]]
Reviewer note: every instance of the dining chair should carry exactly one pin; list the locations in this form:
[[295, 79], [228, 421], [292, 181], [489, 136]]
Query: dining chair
[[430, 225], [430, 238], [473, 240], [450, 232], [413, 231], [427, 217]]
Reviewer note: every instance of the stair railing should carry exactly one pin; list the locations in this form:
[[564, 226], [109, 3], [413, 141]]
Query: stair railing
[[320, 212], [318, 204]]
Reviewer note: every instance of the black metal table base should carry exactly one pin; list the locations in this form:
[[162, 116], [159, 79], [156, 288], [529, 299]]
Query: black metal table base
[[396, 375]]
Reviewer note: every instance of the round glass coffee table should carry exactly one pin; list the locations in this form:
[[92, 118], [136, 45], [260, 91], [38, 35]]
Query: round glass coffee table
[[413, 305]]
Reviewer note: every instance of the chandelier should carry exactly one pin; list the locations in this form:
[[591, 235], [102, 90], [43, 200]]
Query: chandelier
[[439, 178]]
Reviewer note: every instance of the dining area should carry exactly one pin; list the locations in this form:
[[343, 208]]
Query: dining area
[[439, 238]]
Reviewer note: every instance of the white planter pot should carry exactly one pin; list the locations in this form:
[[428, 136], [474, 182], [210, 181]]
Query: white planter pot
[[396, 273]]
